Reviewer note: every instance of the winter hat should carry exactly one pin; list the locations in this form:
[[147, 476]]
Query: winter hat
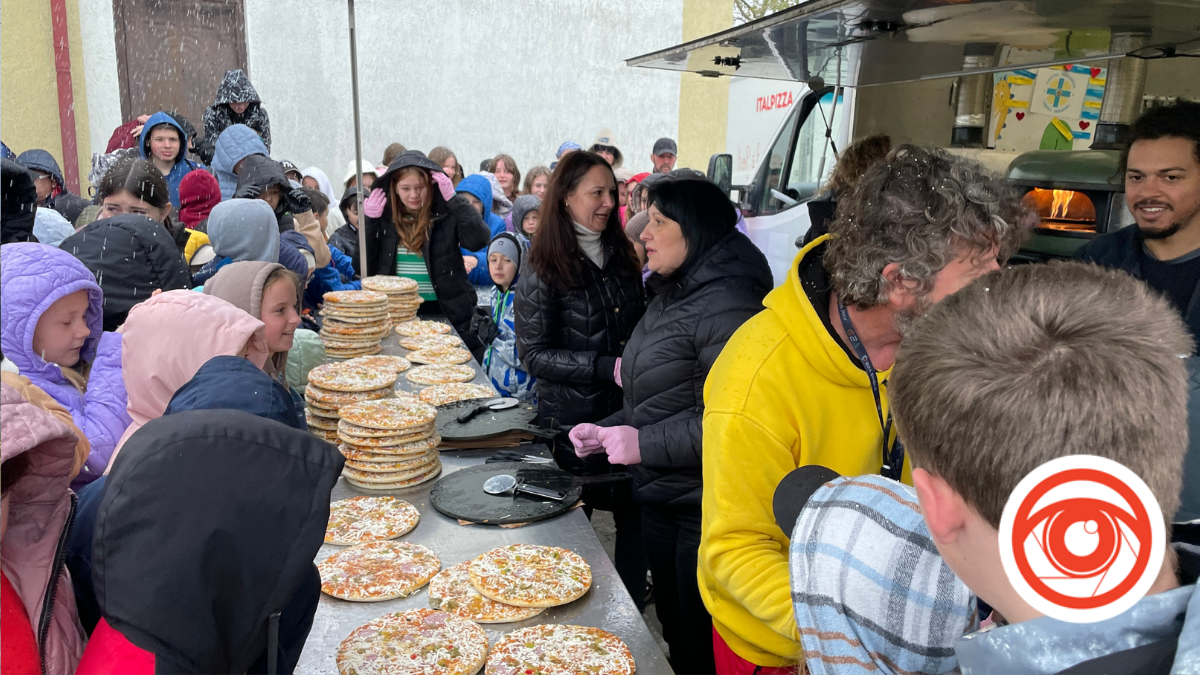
[[522, 206], [565, 148], [51, 228], [506, 245], [367, 168], [244, 229], [199, 192], [241, 284], [18, 201], [605, 139], [633, 229], [623, 175], [854, 538]]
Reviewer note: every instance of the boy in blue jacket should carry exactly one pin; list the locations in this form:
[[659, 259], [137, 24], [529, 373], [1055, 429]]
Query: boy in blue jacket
[[501, 361], [477, 190]]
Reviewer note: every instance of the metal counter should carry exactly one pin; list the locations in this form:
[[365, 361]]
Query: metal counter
[[607, 605]]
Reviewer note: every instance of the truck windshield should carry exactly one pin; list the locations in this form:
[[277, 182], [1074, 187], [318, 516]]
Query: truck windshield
[[803, 156]]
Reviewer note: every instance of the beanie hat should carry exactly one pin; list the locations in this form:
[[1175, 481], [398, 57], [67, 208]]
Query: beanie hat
[[199, 192], [506, 245], [244, 229], [565, 148], [522, 206], [633, 229]]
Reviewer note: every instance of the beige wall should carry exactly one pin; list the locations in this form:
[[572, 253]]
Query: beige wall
[[703, 101], [916, 112], [29, 107]]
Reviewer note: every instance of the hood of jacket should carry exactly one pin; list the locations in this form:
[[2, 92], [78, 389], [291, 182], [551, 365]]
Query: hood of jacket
[[39, 507], [169, 337], [478, 186], [51, 228], [19, 203], [263, 172], [323, 183], [230, 545], [235, 143], [522, 206], [235, 87], [155, 120], [33, 277], [605, 137], [241, 285], [41, 160], [348, 197], [131, 256], [244, 229], [233, 383], [199, 192], [407, 159]]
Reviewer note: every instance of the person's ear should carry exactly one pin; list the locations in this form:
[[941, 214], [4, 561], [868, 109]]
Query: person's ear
[[944, 510], [901, 291], [170, 208]]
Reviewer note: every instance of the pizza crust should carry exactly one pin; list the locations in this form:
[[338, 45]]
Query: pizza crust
[[377, 571], [527, 575], [363, 519], [451, 591], [400, 485], [560, 649], [390, 453], [416, 642]]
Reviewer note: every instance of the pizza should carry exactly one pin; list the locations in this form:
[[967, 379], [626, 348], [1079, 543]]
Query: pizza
[[393, 414], [334, 317], [344, 377], [394, 364], [394, 464], [391, 453], [440, 374], [416, 642], [377, 571], [370, 443], [422, 466], [390, 285], [398, 485], [429, 341], [560, 649], [355, 298], [445, 394], [451, 591], [414, 328], [361, 519], [440, 355], [335, 399], [341, 353], [531, 576], [322, 423]]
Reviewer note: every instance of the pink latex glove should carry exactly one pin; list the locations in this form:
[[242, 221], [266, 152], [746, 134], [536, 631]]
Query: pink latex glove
[[621, 444], [583, 437], [374, 203], [617, 373], [443, 182]]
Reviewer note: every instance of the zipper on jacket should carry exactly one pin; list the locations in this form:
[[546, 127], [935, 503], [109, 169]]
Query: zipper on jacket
[[60, 557]]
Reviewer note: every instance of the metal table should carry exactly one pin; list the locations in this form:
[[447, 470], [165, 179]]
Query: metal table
[[607, 605]]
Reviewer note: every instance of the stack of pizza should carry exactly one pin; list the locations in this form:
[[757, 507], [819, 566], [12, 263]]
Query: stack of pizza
[[354, 322], [402, 296], [335, 385], [389, 443]]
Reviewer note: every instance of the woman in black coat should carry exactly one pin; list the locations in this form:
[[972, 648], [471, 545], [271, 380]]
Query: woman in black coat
[[417, 223], [576, 306], [708, 279]]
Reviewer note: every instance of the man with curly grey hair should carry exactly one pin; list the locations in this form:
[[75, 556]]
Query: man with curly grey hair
[[805, 381]]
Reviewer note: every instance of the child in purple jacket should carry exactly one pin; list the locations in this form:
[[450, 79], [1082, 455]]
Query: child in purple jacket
[[50, 330]]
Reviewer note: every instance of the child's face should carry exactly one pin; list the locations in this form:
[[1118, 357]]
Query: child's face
[[62, 329], [279, 315], [502, 269], [352, 213], [473, 201], [529, 223]]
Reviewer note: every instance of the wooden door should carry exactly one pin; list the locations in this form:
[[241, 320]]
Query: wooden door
[[172, 54]]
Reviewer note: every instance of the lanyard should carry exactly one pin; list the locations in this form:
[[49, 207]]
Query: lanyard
[[893, 457]]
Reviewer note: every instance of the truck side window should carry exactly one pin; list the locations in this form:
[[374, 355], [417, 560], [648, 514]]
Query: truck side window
[[775, 160], [806, 162]]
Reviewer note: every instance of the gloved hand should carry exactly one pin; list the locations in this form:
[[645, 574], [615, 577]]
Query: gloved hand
[[621, 444], [374, 203], [483, 326], [443, 181], [247, 191], [617, 374], [297, 201], [584, 438]]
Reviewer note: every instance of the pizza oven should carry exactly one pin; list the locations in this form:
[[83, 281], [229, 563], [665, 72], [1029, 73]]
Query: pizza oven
[[1076, 195]]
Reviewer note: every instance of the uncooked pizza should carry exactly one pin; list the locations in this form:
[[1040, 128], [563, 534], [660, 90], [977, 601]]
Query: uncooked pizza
[[367, 443], [362, 519], [377, 570], [355, 298], [440, 355], [399, 485], [440, 374], [424, 467], [394, 414], [445, 394], [414, 328], [430, 341], [560, 649], [392, 453], [390, 284], [336, 399], [344, 377], [395, 364], [531, 576], [416, 642], [396, 463], [451, 590]]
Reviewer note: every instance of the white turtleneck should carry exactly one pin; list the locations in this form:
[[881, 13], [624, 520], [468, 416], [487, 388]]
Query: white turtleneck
[[589, 243]]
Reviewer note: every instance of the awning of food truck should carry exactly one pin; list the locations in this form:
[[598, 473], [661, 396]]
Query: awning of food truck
[[875, 42]]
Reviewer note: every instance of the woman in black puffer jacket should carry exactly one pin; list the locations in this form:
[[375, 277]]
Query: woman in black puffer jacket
[[575, 308], [708, 279], [425, 238]]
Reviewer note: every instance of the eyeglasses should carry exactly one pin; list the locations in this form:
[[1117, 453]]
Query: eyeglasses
[[42, 176]]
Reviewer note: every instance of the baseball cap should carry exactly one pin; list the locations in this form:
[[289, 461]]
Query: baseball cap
[[664, 145]]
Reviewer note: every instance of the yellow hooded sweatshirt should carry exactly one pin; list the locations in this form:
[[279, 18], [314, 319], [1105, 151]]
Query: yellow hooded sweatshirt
[[782, 394]]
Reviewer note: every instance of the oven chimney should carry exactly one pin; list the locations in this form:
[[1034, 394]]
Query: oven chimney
[[1123, 92], [972, 111]]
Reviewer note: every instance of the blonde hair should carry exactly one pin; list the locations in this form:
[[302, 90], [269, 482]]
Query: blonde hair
[[75, 377], [532, 176], [412, 228]]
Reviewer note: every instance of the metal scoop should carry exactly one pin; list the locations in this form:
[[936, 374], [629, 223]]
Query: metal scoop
[[505, 483], [493, 405]]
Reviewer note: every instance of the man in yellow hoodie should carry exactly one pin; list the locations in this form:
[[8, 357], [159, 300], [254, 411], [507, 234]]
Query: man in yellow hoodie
[[805, 381]]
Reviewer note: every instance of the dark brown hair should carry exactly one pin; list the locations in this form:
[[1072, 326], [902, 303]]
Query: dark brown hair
[[511, 165], [555, 256], [140, 178], [855, 160], [413, 228], [392, 152], [320, 203]]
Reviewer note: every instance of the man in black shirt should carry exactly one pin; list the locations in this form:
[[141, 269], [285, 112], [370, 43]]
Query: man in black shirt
[[1162, 188]]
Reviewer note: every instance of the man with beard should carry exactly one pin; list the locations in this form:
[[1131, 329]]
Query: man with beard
[[805, 381], [1162, 188]]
